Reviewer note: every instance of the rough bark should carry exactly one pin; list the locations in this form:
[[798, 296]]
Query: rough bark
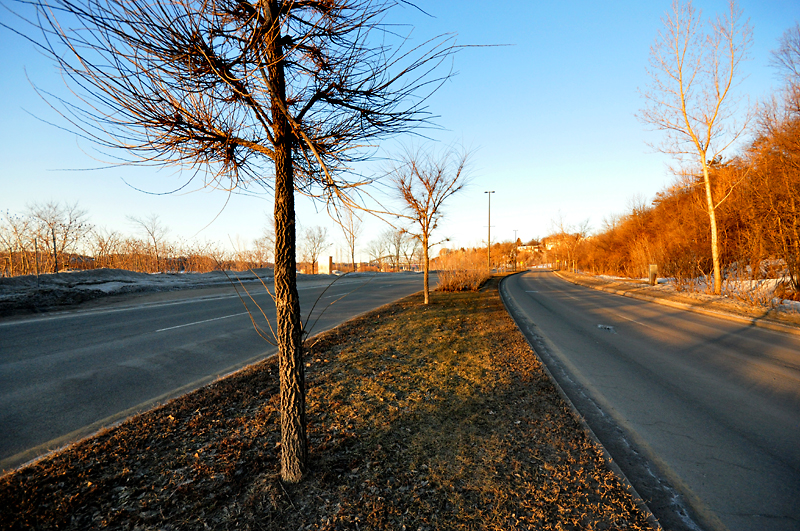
[[294, 449]]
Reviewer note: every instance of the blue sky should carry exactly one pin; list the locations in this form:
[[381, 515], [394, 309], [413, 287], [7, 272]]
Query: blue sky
[[550, 120]]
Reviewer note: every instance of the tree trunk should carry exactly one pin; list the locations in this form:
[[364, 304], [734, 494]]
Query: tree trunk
[[55, 251], [426, 264], [294, 449], [712, 218]]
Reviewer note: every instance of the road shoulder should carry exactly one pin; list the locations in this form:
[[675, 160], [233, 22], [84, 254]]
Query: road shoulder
[[715, 306]]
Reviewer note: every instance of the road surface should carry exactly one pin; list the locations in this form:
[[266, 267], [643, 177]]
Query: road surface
[[702, 414], [65, 375]]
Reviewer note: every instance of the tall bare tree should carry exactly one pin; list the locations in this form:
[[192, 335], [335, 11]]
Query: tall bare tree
[[693, 69], [314, 242], [262, 94], [424, 180]]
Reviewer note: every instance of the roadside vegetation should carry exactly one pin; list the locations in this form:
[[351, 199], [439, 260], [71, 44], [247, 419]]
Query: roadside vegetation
[[752, 197], [461, 271], [419, 417], [756, 211], [52, 237]]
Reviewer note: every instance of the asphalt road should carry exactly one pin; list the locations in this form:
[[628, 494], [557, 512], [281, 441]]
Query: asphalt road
[[66, 375], [702, 414]]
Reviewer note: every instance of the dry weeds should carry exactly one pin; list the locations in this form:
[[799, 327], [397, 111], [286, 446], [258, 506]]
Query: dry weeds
[[420, 418]]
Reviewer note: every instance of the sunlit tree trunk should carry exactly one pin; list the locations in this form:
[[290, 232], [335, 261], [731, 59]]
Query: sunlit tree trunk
[[294, 450], [712, 219], [427, 266]]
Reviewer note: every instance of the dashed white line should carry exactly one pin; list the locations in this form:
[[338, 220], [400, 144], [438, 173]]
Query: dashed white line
[[200, 322], [633, 320]]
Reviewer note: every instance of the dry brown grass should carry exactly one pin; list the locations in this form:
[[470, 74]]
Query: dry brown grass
[[436, 417]]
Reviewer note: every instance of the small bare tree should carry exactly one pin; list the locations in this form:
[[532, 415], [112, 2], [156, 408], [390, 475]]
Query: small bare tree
[[105, 245], [62, 227], [693, 71], [377, 251], [265, 244], [423, 181], [16, 236], [315, 241], [411, 251], [156, 234], [351, 226], [397, 241]]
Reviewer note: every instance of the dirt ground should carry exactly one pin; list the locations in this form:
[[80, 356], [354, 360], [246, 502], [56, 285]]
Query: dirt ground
[[419, 418]]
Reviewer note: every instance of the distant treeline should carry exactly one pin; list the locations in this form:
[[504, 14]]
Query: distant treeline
[[55, 237]]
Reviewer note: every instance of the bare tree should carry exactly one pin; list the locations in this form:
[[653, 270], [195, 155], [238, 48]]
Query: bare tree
[[16, 235], [377, 251], [273, 94], [424, 180], [105, 245], [411, 251], [314, 242], [787, 57], [566, 238], [397, 241], [156, 234], [265, 244], [351, 226], [62, 227], [787, 61], [693, 71]]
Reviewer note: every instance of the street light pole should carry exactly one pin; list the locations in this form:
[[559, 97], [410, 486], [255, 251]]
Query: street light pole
[[489, 246]]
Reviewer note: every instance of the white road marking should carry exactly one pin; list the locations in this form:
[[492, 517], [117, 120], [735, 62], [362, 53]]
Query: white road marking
[[200, 322], [67, 314], [632, 320]]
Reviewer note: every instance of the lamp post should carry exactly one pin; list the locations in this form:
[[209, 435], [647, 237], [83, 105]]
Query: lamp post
[[489, 239]]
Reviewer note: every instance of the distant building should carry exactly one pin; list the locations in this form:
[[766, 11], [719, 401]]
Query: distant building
[[528, 248]]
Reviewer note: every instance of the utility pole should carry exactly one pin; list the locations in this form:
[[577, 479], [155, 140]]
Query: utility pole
[[489, 239]]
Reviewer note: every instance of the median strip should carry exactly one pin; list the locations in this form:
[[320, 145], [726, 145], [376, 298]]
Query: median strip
[[423, 417]]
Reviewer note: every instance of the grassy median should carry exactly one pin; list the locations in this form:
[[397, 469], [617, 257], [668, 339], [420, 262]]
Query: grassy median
[[419, 418]]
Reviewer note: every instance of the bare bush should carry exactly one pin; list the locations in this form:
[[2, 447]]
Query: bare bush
[[461, 271]]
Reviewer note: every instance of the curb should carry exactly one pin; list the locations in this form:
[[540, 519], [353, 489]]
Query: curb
[[637, 499], [752, 321]]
